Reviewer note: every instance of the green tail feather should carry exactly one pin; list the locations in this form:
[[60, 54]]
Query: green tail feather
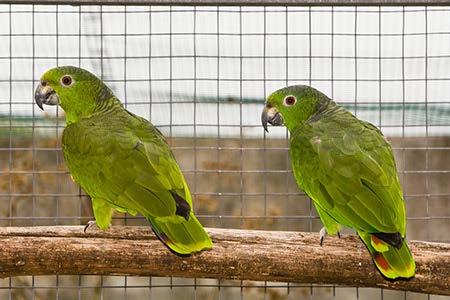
[[181, 236], [392, 262]]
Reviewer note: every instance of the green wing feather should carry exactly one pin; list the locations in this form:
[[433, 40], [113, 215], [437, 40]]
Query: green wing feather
[[347, 167], [349, 170], [125, 162]]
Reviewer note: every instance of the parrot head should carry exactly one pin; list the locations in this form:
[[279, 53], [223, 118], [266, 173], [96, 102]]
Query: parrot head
[[291, 106], [76, 90]]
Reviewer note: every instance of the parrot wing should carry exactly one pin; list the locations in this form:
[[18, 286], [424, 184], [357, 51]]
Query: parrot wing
[[127, 162], [113, 163], [347, 167]]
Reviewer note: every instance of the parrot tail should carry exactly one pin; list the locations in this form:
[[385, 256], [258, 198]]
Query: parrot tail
[[391, 255], [183, 236]]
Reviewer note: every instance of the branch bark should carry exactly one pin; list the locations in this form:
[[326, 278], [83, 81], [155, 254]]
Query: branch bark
[[237, 254]]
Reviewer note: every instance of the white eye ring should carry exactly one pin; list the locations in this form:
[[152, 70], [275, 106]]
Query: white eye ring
[[67, 80], [289, 100]]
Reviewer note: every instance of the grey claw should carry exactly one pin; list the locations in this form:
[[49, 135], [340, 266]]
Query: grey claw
[[89, 225], [322, 234]]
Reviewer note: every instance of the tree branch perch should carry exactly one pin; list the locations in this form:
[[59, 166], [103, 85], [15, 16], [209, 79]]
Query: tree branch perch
[[237, 254]]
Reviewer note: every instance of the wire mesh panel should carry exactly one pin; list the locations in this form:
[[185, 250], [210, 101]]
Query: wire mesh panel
[[201, 75]]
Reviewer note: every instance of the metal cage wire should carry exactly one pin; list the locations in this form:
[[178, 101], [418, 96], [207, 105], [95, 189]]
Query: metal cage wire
[[200, 74]]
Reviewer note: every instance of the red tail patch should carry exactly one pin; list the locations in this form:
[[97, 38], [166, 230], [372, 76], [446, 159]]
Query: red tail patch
[[376, 240], [381, 261]]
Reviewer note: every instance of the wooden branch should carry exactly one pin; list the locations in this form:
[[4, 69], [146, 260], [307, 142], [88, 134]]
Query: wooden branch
[[237, 254]]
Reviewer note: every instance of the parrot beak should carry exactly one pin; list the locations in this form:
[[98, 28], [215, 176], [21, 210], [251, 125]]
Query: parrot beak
[[272, 116], [44, 94]]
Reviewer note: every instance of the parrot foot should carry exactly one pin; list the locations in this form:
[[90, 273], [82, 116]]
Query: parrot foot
[[90, 224], [323, 234]]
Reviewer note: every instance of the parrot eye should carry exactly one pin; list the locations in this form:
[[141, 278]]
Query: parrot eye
[[289, 100], [66, 80]]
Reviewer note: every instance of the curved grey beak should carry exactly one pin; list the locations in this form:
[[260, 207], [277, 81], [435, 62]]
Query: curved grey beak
[[272, 116], [44, 94]]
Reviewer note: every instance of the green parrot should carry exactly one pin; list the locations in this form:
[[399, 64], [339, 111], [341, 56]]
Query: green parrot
[[121, 160], [346, 166]]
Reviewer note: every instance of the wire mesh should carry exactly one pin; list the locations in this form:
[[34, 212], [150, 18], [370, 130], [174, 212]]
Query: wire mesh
[[201, 75]]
